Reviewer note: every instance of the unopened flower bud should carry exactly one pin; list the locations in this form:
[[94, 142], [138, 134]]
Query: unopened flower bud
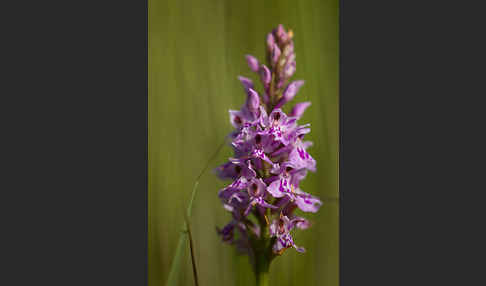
[[252, 63], [291, 57], [275, 54], [289, 69], [270, 42], [265, 75], [281, 34], [292, 89], [253, 101], [290, 92], [246, 82], [288, 49], [299, 108]]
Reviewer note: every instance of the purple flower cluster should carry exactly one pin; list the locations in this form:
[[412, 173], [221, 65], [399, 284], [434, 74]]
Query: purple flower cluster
[[270, 155]]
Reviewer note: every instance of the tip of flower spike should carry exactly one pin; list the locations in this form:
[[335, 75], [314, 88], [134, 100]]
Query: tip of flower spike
[[280, 29], [290, 33], [282, 34]]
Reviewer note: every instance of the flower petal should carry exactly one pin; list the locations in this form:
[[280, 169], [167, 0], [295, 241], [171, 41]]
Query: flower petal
[[307, 202]]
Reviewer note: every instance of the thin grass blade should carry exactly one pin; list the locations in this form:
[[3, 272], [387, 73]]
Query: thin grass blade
[[175, 268]]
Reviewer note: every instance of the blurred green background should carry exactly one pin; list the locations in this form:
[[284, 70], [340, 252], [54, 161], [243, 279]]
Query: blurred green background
[[196, 51]]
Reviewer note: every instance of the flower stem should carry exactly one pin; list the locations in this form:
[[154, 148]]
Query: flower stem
[[262, 256], [262, 279], [262, 269]]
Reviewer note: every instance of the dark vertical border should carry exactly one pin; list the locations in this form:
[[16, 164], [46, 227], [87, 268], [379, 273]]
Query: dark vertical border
[[411, 156], [145, 189], [75, 185]]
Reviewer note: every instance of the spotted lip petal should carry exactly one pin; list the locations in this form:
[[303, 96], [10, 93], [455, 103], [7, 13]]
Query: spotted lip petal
[[301, 158], [306, 202], [280, 187], [280, 229]]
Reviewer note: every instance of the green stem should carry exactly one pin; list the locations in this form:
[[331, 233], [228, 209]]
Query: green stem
[[263, 256], [262, 269], [262, 279]]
